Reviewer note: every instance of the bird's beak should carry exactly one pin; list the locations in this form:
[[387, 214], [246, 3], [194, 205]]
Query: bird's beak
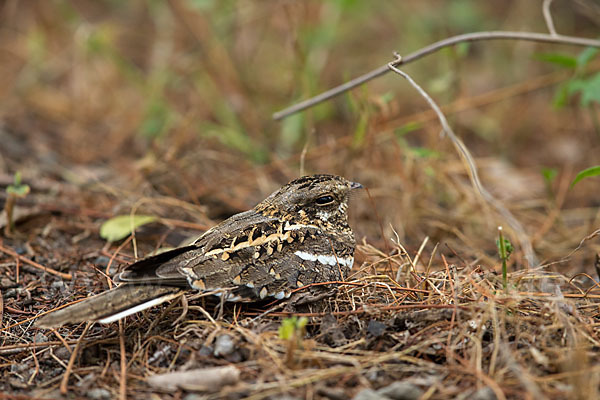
[[356, 185]]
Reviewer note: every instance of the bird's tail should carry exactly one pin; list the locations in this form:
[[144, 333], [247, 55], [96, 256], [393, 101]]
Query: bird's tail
[[112, 305]]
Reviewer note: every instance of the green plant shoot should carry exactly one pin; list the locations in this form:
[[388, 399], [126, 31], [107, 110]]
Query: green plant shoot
[[505, 249], [293, 327], [14, 191]]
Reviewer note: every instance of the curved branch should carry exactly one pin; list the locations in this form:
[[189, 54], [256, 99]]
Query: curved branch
[[548, 17], [432, 48], [463, 151]]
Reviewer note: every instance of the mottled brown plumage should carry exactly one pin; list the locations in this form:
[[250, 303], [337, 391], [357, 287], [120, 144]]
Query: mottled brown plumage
[[297, 236]]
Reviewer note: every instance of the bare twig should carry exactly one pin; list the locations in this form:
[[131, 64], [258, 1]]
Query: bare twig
[[65, 378], [123, 382], [548, 17], [33, 263], [432, 48], [464, 152]]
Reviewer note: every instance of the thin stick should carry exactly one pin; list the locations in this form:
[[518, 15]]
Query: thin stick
[[65, 378], [123, 383], [466, 155], [548, 17], [17, 270], [432, 48], [1, 310], [112, 258], [33, 263]]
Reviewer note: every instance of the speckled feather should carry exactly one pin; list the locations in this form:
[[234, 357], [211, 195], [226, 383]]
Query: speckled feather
[[297, 236]]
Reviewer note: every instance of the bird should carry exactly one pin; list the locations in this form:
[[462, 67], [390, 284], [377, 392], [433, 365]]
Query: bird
[[297, 236]]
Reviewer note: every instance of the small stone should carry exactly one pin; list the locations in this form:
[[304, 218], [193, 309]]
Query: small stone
[[62, 353], [376, 328], [334, 393], [98, 394], [369, 394], [223, 346], [401, 391], [485, 393], [101, 261], [40, 338], [6, 283], [16, 368], [193, 396], [205, 351], [58, 285]]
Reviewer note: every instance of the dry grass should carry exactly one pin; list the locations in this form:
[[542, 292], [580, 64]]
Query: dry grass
[[450, 329], [165, 109]]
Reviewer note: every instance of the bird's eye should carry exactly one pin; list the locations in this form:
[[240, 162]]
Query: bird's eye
[[324, 200]]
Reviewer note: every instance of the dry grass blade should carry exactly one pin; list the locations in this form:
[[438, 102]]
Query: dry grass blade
[[158, 108], [49, 270]]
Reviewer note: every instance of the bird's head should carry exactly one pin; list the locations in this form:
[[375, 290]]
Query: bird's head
[[320, 200]]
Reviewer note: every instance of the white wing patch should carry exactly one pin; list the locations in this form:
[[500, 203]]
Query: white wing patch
[[326, 259]]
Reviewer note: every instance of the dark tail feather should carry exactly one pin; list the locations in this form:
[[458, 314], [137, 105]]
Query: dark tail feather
[[112, 305]]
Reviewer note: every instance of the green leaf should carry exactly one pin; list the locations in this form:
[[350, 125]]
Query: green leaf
[[121, 226], [586, 173], [424, 152], [361, 130], [302, 323], [386, 98], [407, 128], [589, 88], [561, 97], [292, 129], [156, 118], [549, 174], [291, 327], [507, 246], [287, 328], [557, 59], [462, 49], [586, 56], [18, 189], [591, 91], [202, 5]]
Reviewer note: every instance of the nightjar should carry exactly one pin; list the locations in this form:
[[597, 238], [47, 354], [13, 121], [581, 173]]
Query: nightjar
[[297, 236]]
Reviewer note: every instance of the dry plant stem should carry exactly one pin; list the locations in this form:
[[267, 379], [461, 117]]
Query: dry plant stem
[[112, 258], [1, 309], [8, 208], [123, 383], [65, 378], [464, 152], [432, 48], [33, 263], [385, 242]]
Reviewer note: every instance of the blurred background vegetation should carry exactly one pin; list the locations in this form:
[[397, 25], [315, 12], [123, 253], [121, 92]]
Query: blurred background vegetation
[[123, 99]]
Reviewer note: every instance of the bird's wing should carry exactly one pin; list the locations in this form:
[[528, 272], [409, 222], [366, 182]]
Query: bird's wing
[[166, 268], [267, 257], [251, 255]]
